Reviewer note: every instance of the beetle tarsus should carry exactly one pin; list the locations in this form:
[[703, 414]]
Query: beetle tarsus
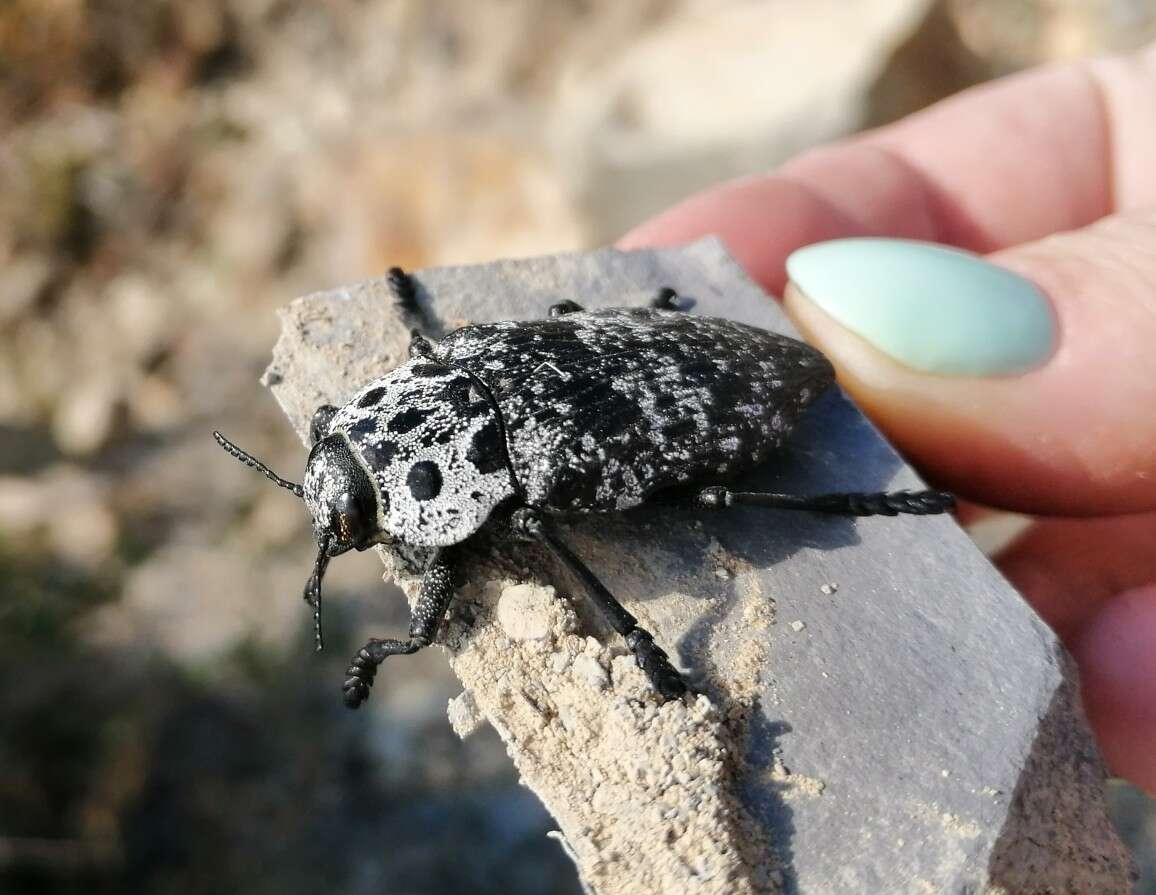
[[437, 589], [404, 290], [419, 345], [666, 299], [363, 669], [562, 308], [654, 663]]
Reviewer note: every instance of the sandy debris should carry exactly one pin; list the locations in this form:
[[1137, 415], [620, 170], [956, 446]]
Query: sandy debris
[[521, 614], [464, 714], [641, 790]]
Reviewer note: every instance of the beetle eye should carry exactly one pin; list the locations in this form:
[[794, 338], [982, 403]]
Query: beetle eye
[[349, 523]]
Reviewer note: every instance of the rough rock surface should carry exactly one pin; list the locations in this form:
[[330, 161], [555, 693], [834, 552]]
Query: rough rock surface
[[879, 710]]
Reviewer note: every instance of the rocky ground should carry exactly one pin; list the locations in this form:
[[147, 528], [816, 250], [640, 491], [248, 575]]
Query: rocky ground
[[170, 174]]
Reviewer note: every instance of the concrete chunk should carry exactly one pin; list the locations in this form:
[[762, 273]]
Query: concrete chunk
[[912, 728]]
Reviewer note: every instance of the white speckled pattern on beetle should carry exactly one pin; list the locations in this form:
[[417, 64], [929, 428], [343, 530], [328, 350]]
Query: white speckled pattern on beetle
[[586, 412], [431, 443]]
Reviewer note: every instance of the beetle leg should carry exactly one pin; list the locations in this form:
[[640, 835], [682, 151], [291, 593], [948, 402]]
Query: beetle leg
[[649, 656], [915, 503], [666, 299], [319, 424], [404, 290], [437, 590], [562, 308], [419, 345]]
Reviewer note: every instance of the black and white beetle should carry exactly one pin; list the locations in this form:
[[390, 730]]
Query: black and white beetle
[[514, 424]]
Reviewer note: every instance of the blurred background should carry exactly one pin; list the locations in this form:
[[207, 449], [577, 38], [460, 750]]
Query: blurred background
[[171, 173]]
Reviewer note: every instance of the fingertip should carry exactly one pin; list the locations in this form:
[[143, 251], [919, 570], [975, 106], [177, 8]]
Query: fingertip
[[1016, 383], [1116, 653], [948, 427]]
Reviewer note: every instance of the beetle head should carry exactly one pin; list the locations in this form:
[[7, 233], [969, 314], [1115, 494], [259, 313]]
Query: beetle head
[[341, 497]]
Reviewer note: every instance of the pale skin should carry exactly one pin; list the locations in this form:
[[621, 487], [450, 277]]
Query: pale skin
[[1051, 173]]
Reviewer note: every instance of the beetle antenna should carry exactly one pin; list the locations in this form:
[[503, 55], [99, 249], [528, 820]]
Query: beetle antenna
[[250, 460], [313, 589]]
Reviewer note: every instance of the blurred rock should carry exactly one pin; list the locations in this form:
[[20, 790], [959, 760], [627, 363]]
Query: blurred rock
[[139, 315], [1010, 36], [86, 415], [21, 282], [155, 404], [63, 509], [456, 196], [83, 532], [197, 603], [718, 90], [270, 525]]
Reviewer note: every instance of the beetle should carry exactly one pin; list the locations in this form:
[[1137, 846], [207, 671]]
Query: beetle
[[514, 425]]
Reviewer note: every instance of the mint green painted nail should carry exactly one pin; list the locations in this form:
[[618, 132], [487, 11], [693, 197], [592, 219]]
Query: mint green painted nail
[[930, 307]]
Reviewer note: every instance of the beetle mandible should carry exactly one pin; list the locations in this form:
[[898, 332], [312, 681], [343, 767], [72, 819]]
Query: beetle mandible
[[515, 424]]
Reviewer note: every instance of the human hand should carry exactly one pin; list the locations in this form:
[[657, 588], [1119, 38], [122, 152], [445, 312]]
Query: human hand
[[1052, 174]]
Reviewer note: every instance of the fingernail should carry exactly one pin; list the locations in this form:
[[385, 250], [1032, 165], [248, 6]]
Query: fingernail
[[933, 308]]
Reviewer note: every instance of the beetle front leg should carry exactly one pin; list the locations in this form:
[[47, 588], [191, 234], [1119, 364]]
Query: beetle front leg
[[882, 503], [437, 590], [562, 308], [666, 299], [404, 288], [650, 657], [419, 345], [319, 423]]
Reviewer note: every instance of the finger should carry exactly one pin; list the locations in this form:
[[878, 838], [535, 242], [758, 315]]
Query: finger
[[1004, 163], [761, 220], [1068, 569], [1052, 149], [1118, 675], [1091, 580], [934, 345]]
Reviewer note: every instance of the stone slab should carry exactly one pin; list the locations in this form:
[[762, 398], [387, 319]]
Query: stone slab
[[881, 711]]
